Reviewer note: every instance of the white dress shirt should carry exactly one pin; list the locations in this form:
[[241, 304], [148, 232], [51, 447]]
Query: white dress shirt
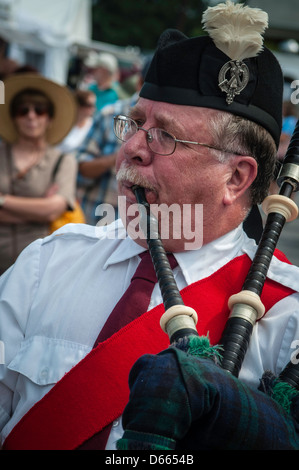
[[58, 295]]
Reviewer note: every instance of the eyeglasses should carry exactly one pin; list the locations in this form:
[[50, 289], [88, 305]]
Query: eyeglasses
[[39, 109], [158, 140]]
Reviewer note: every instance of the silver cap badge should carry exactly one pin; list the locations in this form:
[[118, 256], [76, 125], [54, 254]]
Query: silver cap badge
[[233, 78]]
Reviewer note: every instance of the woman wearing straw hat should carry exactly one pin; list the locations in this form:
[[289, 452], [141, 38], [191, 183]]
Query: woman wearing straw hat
[[37, 114]]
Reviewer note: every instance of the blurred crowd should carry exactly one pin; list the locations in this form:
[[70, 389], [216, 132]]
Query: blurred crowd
[[58, 148]]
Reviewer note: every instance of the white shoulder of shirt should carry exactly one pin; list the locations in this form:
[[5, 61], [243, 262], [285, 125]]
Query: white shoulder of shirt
[[111, 231], [110, 244], [280, 271]]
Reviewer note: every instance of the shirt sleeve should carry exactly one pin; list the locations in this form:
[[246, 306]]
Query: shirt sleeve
[[18, 286]]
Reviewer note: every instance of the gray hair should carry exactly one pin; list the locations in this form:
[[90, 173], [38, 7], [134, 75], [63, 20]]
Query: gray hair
[[238, 135]]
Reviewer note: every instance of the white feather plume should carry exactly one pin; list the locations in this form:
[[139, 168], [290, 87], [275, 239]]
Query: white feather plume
[[236, 30]]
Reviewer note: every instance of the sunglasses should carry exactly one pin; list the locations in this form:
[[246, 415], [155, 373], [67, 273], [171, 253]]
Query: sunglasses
[[88, 105], [39, 109]]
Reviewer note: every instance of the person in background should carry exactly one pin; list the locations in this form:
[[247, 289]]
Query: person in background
[[103, 68], [96, 157], [37, 114], [85, 100], [289, 120]]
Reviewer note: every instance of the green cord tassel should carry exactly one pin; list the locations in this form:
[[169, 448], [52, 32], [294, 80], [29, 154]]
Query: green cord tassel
[[283, 393], [200, 346]]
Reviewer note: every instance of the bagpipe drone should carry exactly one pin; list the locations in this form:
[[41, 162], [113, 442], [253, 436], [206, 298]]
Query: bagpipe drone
[[179, 322]]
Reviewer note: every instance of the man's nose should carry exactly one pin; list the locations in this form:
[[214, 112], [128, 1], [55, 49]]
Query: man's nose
[[137, 150]]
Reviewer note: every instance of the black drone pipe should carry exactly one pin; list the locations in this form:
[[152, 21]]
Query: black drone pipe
[[246, 307]]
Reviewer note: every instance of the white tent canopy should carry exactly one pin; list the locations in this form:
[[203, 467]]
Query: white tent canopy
[[41, 33]]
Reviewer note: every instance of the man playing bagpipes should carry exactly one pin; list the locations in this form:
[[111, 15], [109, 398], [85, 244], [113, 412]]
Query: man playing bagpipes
[[203, 135]]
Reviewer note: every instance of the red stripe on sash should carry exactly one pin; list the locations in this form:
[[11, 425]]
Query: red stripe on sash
[[95, 391]]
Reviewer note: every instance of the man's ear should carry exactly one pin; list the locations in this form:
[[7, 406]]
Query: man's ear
[[243, 173]]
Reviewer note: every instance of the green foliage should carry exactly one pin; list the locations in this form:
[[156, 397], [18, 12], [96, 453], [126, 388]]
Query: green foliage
[[140, 22]]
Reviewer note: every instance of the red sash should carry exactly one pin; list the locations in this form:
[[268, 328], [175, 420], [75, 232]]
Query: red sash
[[95, 391]]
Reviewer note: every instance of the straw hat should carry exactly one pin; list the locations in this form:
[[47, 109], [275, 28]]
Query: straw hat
[[65, 109]]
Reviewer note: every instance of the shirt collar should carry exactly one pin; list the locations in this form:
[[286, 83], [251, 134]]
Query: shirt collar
[[200, 263], [210, 257], [194, 264], [125, 249]]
